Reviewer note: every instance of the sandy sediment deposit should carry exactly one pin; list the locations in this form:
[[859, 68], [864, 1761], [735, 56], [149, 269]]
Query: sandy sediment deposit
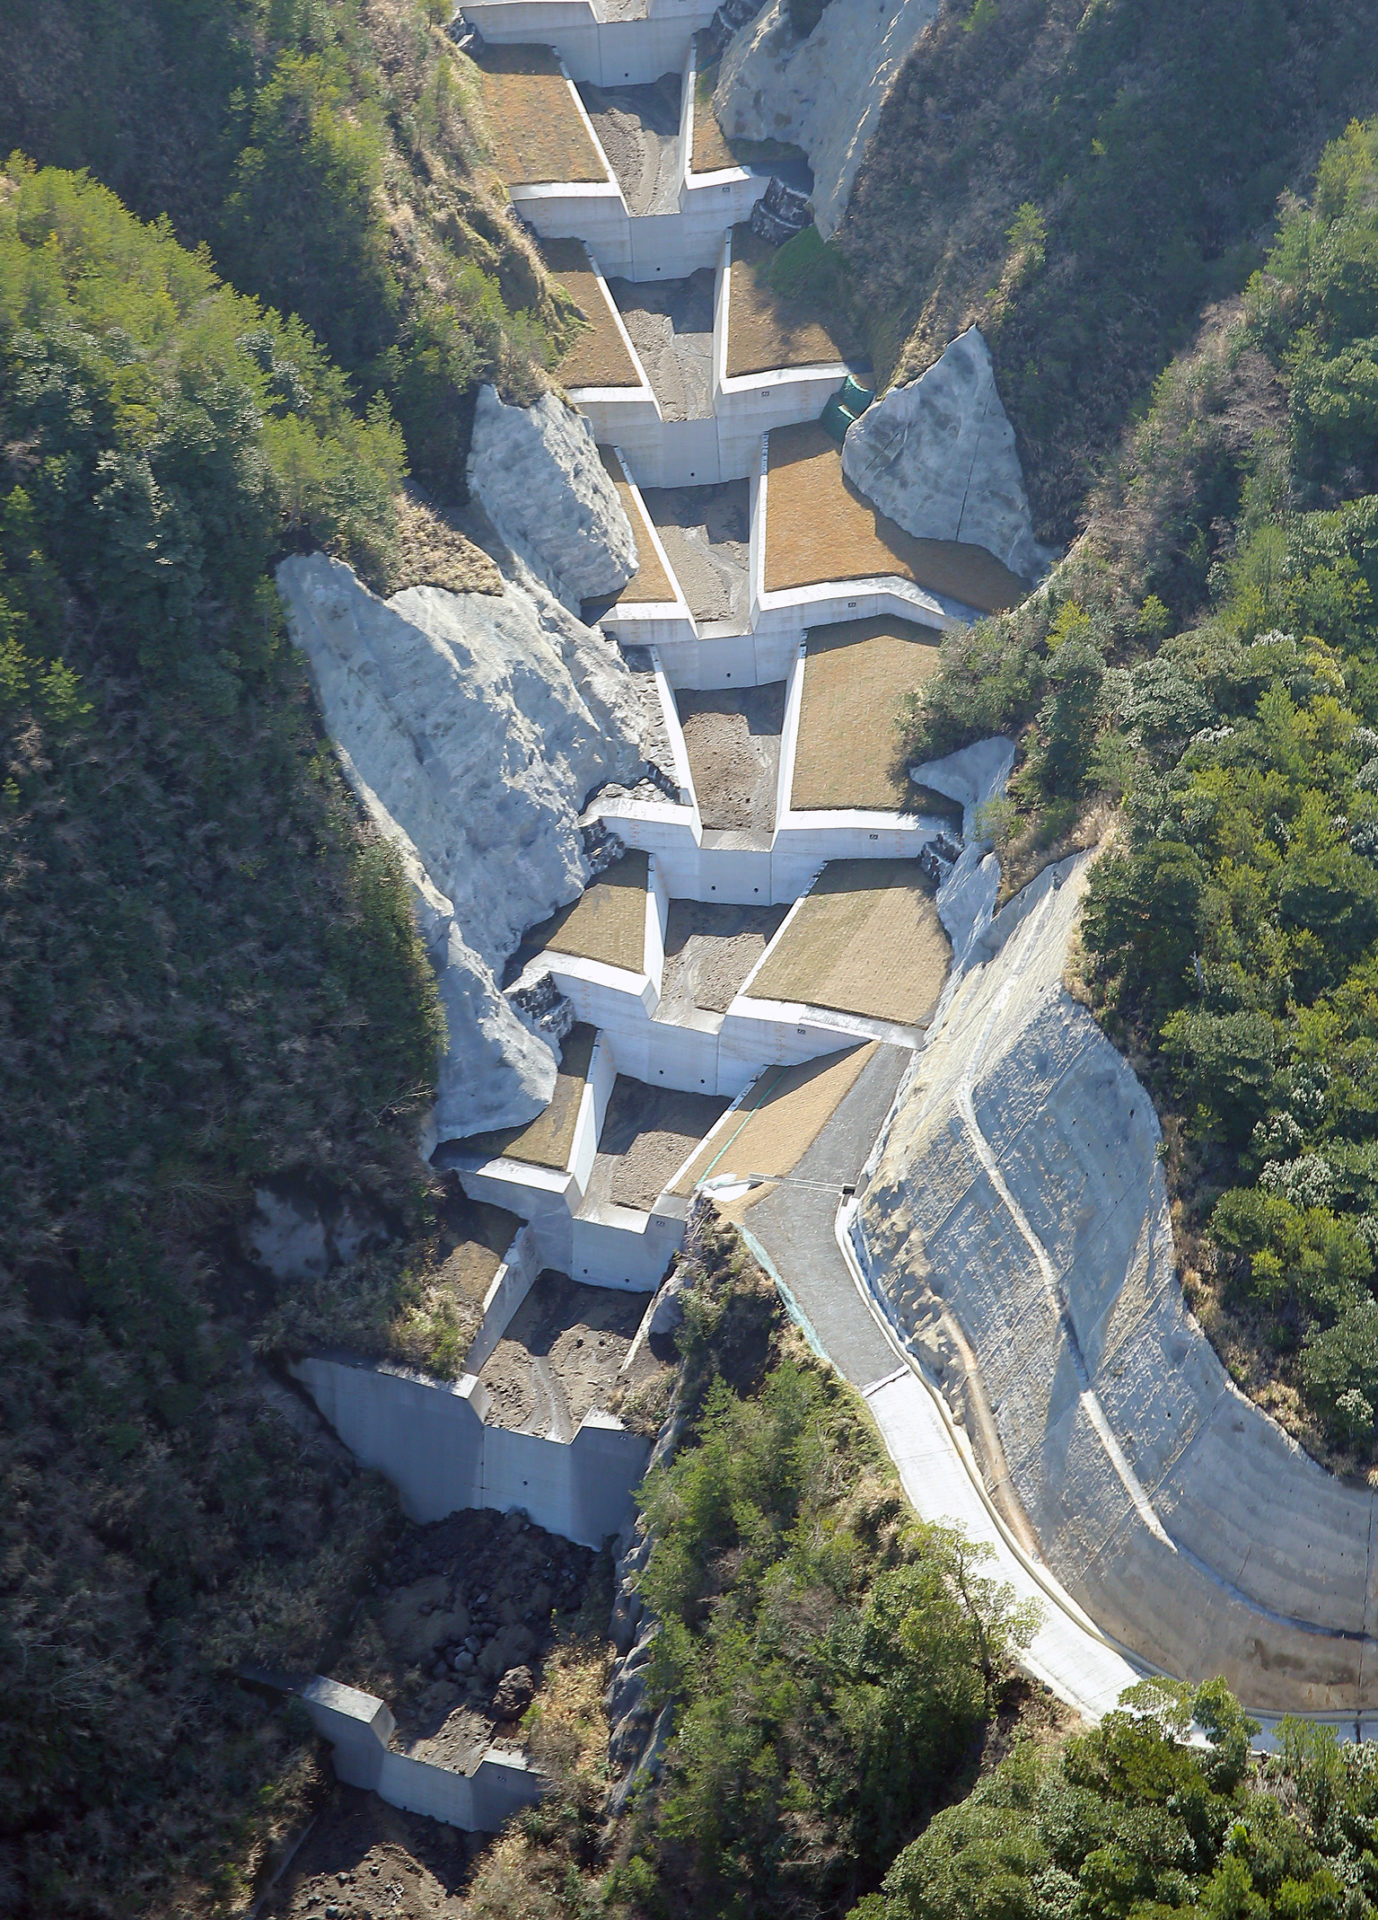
[[732, 737], [562, 1355]]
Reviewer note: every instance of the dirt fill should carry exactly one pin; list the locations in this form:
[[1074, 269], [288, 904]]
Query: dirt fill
[[732, 737], [710, 948], [648, 1134], [560, 1355]]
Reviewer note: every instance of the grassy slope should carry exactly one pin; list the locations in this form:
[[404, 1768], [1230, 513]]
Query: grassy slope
[[1145, 143]]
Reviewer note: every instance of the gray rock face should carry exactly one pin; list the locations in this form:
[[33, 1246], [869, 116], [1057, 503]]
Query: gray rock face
[[537, 473], [1016, 1228], [825, 92], [472, 727], [938, 457]]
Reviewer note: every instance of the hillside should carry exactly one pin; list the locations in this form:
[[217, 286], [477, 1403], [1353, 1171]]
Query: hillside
[[1081, 181], [331, 157], [1204, 663], [209, 973]]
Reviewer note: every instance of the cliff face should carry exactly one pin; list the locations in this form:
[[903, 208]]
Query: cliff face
[[537, 471], [938, 456], [823, 92], [473, 727], [1017, 1230]]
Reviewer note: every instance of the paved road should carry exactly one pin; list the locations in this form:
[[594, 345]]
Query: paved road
[[795, 1223], [796, 1227]]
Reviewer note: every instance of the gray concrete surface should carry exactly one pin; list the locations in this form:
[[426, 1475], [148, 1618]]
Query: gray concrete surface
[[795, 1224]]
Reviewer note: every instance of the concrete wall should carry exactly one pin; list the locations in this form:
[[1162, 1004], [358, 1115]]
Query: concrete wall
[[609, 52], [699, 864], [359, 1727], [618, 1247], [429, 1439], [726, 445], [508, 1288], [649, 246]]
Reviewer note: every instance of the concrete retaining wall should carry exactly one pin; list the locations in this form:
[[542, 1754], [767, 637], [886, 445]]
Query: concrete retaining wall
[[359, 1727], [611, 53], [648, 246], [1017, 1226], [508, 1288], [429, 1439]]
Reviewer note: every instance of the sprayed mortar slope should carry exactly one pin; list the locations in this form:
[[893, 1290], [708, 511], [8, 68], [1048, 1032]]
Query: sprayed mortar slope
[[823, 92], [473, 728], [1017, 1227]]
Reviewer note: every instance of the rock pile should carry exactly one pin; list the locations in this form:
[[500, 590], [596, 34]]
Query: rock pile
[[468, 1611]]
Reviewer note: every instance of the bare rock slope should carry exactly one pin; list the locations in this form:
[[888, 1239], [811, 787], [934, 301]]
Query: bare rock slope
[[1016, 1229], [823, 92], [537, 471], [473, 726], [938, 457]]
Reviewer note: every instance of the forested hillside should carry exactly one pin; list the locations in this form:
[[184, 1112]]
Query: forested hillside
[[1206, 660], [1082, 180], [329, 153], [208, 973]]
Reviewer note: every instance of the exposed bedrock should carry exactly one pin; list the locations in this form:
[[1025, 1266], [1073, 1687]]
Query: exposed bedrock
[[938, 456], [473, 727], [824, 93], [1017, 1229], [537, 473]]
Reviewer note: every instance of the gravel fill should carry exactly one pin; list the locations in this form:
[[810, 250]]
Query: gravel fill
[[638, 129], [560, 1355], [671, 325], [706, 531], [647, 1136]]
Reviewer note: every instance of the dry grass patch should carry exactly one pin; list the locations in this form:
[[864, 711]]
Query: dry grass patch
[[711, 152], [764, 330], [867, 939], [547, 1140], [538, 132], [780, 1118], [855, 674], [820, 528], [598, 356], [608, 920], [432, 553], [650, 584]]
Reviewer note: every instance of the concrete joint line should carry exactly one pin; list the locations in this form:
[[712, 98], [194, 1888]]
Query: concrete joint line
[[1090, 1401]]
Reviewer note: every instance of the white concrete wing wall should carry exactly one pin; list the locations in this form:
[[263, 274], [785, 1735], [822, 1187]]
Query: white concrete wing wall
[[359, 1727], [611, 53], [506, 1291], [429, 1439]]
